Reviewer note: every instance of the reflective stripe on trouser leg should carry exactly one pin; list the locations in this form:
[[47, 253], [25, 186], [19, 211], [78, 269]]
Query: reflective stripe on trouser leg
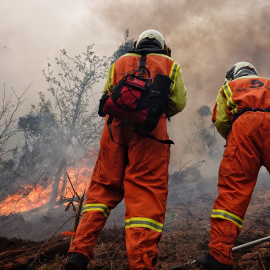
[[87, 233], [141, 222], [104, 193], [225, 227], [141, 236], [97, 207], [223, 234], [146, 190], [238, 174], [218, 213]]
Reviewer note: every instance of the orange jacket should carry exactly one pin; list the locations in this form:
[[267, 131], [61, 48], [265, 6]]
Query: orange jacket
[[238, 95], [157, 64]]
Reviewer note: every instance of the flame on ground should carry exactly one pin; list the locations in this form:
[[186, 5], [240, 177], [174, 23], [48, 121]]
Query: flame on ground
[[30, 197]]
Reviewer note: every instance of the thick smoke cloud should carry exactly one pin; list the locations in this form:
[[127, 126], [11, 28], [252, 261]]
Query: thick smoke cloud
[[206, 37]]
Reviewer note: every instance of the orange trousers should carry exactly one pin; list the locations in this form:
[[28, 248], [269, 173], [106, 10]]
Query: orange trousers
[[247, 149], [139, 174]]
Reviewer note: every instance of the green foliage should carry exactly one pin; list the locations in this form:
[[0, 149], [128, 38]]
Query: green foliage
[[204, 111], [124, 48], [11, 102], [203, 139], [59, 131], [42, 139], [72, 92], [40, 121]]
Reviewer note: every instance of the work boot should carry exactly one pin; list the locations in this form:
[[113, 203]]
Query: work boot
[[76, 261], [210, 263]]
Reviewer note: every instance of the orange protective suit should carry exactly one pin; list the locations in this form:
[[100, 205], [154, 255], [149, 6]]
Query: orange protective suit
[[242, 116], [138, 173]]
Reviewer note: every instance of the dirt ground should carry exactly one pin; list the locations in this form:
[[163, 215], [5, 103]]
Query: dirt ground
[[185, 236]]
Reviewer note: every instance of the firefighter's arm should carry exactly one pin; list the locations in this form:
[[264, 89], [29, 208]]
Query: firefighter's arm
[[220, 116], [106, 91], [110, 81], [177, 98]]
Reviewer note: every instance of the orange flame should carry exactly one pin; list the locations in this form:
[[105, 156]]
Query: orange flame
[[31, 197], [22, 201]]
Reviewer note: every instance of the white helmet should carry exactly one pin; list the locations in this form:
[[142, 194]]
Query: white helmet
[[152, 36], [240, 69]]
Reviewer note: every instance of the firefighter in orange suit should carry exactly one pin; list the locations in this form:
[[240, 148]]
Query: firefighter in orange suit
[[137, 173], [242, 117]]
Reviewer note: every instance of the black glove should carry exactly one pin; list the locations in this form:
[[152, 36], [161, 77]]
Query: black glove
[[102, 102]]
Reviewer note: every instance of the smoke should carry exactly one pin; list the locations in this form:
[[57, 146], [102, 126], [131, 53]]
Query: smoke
[[206, 37]]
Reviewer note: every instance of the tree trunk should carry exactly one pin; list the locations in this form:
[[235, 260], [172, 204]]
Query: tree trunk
[[57, 178]]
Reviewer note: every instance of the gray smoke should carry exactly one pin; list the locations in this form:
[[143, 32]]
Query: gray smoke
[[206, 37]]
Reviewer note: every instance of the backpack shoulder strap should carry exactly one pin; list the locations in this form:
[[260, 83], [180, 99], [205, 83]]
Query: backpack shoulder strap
[[143, 60], [136, 128], [142, 66]]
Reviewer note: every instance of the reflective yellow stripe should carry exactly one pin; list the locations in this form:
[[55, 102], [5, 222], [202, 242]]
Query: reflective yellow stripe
[[139, 55], [228, 93], [145, 223], [173, 75], [233, 105], [227, 90], [97, 207], [110, 77], [217, 213]]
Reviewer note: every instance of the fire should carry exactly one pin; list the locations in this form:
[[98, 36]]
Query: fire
[[24, 201], [31, 197], [80, 182]]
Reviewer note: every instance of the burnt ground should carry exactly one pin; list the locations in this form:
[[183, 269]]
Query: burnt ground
[[185, 236]]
